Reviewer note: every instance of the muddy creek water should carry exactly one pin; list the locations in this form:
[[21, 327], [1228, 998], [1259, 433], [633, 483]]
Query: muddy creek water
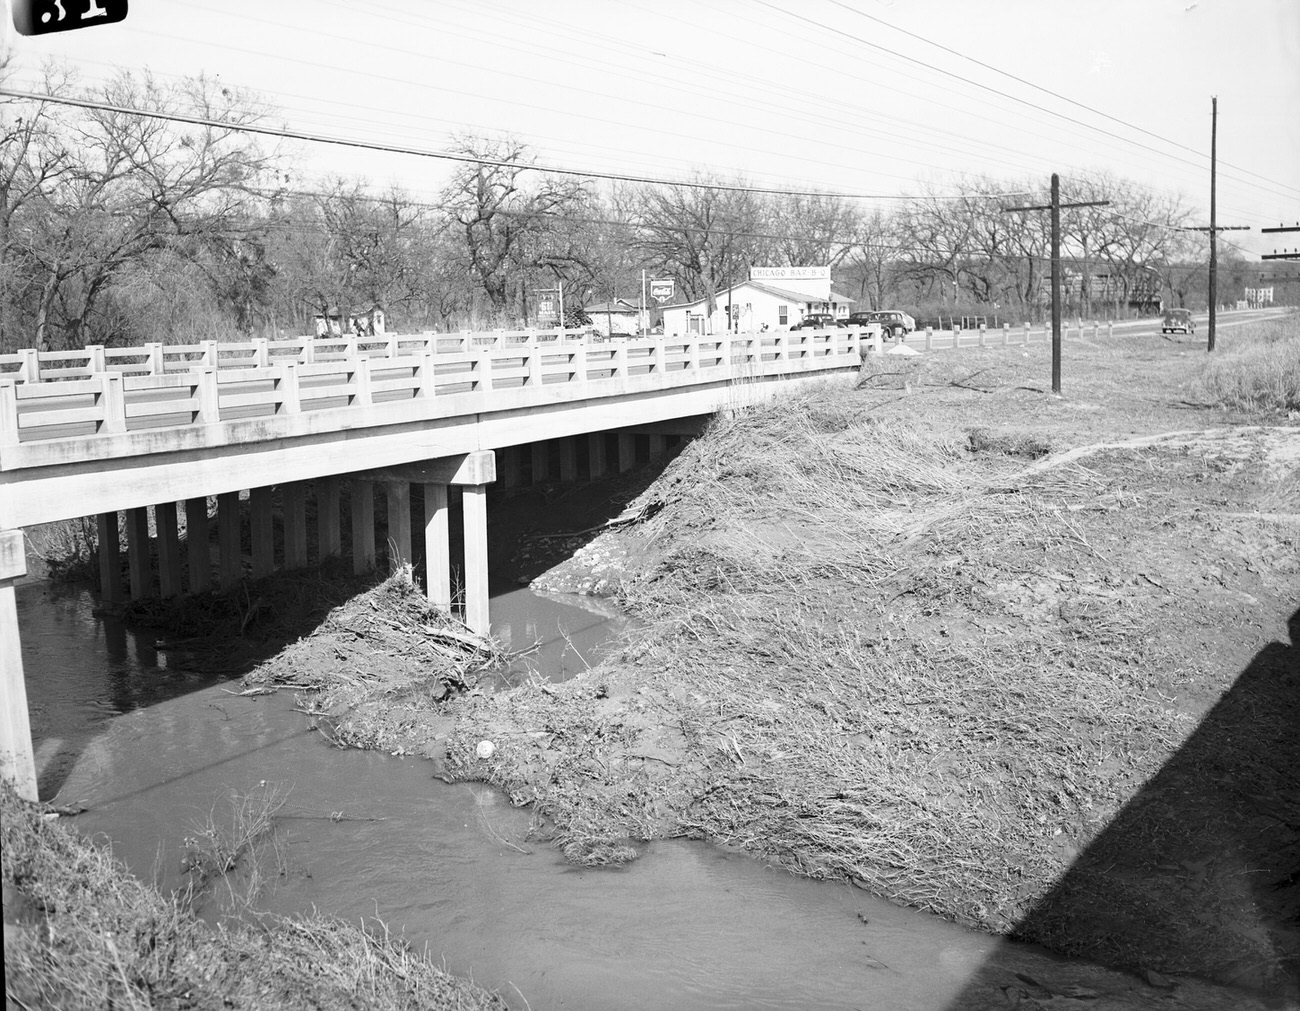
[[152, 750]]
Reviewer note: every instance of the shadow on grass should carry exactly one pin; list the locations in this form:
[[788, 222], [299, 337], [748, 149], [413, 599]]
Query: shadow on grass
[[1199, 874]]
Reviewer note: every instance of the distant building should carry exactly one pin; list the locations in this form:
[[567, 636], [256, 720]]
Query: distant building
[[617, 318], [755, 304], [369, 324]]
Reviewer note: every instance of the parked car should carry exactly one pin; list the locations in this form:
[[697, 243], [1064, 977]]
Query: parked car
[[1177, 320], [817, 321], [892, 322]]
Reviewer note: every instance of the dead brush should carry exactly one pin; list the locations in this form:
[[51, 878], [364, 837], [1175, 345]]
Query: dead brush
[[217, 848], [93, 937]]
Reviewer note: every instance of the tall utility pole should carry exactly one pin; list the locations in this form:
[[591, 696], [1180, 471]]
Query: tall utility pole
[[1055, 207], [1214, 228], [1214, 234]]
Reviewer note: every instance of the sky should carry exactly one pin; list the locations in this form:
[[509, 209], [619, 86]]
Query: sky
[[868, 98]]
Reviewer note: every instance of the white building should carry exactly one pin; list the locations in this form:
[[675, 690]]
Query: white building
[[619, 318], [774, 298]]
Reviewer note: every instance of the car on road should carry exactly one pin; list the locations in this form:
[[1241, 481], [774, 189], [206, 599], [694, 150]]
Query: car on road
[[818, 321], [1177, 321], [892, 322]]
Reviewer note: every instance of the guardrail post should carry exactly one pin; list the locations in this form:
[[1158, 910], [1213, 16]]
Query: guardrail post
[[983, 330], [483, 369], [363, 397], [8, 413], [30, 371], [1006, 334], [1110, 328], [1026, 340], [290, 397], [578, 363], [929, 337], [112, 403], [208, 396], [261, 353], [95, 358], [1096, 329], [428, 387]]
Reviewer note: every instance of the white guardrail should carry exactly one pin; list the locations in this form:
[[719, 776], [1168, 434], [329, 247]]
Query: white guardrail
[[102, 392]]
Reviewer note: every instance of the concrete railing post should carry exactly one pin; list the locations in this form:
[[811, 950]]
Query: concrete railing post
[[207, 396], [578, 363], [95, 362], [290, 392], [427, 388], [157, 364], [483, 370], [657, 356], [112, 403], [261, 353], [983, 333], [308, 350], [1026, 340], [8, 413], [30, 370], [362, 392], [211, 354]]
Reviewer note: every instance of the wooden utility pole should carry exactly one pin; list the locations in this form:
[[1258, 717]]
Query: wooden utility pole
[[1214, 234], [1055, 207]]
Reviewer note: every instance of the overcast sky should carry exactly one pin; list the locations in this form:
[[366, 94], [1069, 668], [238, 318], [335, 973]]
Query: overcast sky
[[853, 96]]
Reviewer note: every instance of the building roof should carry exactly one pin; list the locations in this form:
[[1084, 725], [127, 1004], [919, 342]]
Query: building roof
[[801, 297], [618, 306]]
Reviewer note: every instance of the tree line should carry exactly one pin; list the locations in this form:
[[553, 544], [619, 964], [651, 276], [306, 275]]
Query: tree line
[[118, 229]]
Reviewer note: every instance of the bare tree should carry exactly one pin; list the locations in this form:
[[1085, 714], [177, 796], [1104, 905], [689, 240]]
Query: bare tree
[[127, 187], [505, 216]]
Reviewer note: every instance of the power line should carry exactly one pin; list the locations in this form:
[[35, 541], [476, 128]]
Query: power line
[[1048, 91], [966, 80], [286, 134]]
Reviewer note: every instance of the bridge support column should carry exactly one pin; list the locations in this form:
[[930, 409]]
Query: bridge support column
[[295, 525], [329, 542], [197, 545], [263, 530], [363, 526], [569, 459], [541, 462], [169, 549], [511, 466], [474, 497], [230, 567], [110, 557], [658, 443], [437, 546], [16, 761], [399, 524], [137, 551], [596, 464], [626, 451]]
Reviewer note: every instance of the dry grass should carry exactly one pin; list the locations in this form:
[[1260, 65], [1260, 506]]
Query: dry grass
[[81, 933], [1256, 370]]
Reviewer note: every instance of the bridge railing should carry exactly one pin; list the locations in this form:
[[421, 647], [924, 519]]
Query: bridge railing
[[104, 391]]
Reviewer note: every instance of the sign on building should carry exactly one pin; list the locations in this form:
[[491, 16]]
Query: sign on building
[[790, 273], [662, 289]]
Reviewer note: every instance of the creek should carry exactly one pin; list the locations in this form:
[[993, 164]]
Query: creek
[[152, 749]]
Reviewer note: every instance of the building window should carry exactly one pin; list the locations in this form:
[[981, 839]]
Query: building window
[[782, 315]]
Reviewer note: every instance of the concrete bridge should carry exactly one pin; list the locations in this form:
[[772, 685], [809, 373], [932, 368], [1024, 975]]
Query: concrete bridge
[[152, 434]]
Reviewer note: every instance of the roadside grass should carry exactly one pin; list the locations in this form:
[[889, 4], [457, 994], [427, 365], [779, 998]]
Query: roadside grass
[[1256, 370], [81, 932]]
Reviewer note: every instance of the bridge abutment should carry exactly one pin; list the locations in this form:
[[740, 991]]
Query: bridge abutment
[[17, 763]]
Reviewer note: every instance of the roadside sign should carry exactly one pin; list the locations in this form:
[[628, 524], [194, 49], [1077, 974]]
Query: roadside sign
[[40, 17], [661, 289]]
